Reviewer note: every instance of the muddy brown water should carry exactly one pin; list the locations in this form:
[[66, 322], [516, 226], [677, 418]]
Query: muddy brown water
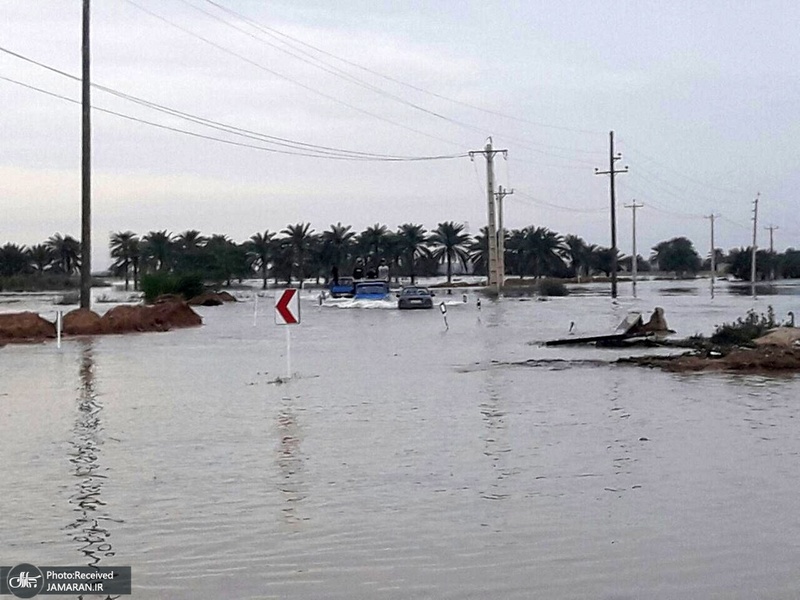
[[404, 460]]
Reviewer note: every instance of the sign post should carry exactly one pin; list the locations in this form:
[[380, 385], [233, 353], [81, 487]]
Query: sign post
[[287, 312]]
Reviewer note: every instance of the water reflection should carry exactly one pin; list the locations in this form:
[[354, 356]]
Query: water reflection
[[495, 439], [290, 462], [90, 527]]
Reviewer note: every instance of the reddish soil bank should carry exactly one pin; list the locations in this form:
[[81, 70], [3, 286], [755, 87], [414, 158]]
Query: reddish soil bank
[[30, 327], [763, 360], [25, 327], [211, 299]]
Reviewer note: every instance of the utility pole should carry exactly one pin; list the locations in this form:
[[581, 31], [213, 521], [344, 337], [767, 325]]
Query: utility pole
[[612, 172], [634, 265], [771, 229], [501, 233], [86, 170], [711, 218], [493, 275], [753, 254]]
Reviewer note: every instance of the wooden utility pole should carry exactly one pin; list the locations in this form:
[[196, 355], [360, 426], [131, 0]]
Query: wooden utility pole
[[612, 172], [86, 171], [634, 265], [771, 229], [755, 247], [501, 234], [493, 275], [711, 218]]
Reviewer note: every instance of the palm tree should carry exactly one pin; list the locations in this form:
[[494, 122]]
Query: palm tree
[[188, 252], [479, 251], [412, 245], [547, 251], [121, 245], [158, 248], [299, 239], [450, 243], [372, 241], [538, 250], [227, 258], [338, 241], [40, 258], [66, 252], [189, 240], [14, 260], [579, 254], [259, 252]]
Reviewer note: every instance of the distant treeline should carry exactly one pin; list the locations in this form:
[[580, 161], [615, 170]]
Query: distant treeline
[[298, 252]]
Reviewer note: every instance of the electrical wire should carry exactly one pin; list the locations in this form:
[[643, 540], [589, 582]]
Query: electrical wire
[[571, 209], [279, 141], [274, 32], [286, 77], [338, 72], [221, 140]]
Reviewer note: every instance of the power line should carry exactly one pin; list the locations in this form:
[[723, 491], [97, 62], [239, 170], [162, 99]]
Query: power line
[[559, 206], [286, 77], [274, 32], [279, 141], [343, 74], [229, 142]]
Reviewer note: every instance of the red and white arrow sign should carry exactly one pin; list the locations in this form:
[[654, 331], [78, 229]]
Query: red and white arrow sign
[[287, 307]]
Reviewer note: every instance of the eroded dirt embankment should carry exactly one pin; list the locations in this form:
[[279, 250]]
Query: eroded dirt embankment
[[30, 327], [761, 359]]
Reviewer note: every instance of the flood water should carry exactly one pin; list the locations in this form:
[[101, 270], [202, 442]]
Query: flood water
[[404, 459]]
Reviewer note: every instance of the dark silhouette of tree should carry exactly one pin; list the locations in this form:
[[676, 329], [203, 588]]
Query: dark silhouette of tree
[[158, 249], [412, 243], [450, 244], [740, 260], [188, 252], [676, 256], [40, 257], [259, 252], [66, 252], [579, 254], [123, 246], [537, 251], [299, 238], [14, 260], [602, 260], [337, 243]]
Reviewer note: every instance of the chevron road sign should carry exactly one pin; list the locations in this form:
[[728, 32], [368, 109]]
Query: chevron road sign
[[287, 307]]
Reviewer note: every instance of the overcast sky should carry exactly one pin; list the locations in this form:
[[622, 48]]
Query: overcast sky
[[704, 99]]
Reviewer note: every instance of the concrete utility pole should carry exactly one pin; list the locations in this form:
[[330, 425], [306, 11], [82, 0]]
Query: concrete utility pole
[[711, 218], [492, 267], [755, 247], [86, 171], [634, 266], [771, 229], [612, 172], [501, 234]]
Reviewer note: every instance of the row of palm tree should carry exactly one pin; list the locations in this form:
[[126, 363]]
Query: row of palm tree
[[294, 253], [297, 252], [58, 255]]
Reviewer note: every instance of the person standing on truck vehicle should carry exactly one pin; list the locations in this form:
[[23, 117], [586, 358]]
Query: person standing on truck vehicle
[[383, 270], [358, 270]]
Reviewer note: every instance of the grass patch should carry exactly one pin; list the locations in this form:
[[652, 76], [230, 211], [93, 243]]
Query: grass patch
[[745, 329]]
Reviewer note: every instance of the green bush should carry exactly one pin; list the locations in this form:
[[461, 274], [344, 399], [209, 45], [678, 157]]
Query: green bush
[[157, 284], [189, 285], [551, 287], [743, 331]]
